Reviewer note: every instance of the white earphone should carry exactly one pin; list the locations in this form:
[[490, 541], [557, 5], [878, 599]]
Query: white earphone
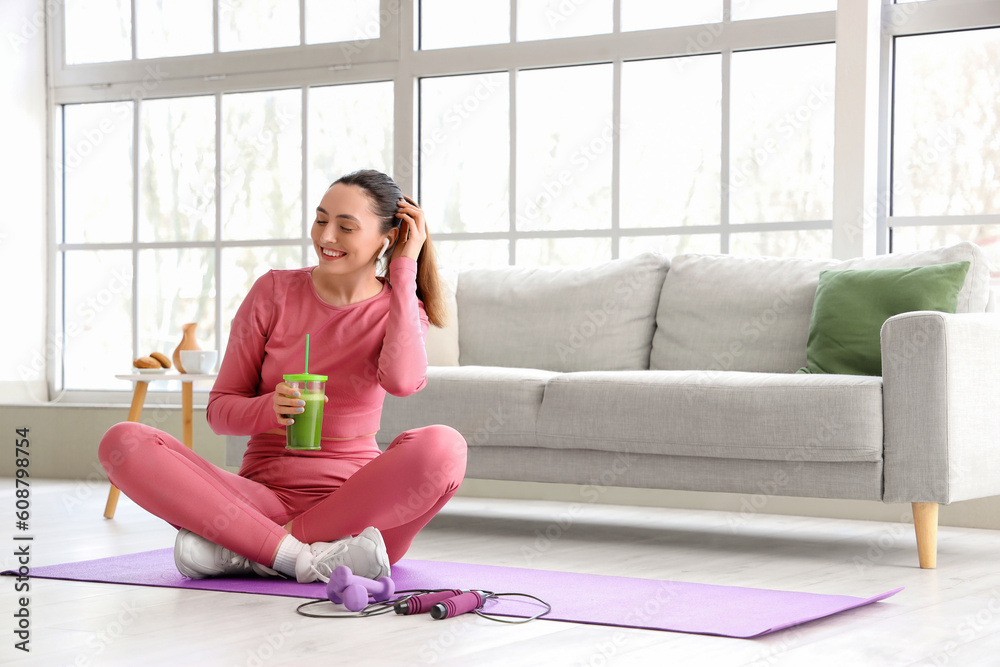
[[385, 246]]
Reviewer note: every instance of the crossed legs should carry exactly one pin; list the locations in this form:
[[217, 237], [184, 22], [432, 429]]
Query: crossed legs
[[398, 492]]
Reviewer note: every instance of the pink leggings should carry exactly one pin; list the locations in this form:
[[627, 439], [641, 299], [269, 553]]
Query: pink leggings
[[330, 494]]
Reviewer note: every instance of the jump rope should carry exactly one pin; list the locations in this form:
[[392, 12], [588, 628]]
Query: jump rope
[[353, 592]]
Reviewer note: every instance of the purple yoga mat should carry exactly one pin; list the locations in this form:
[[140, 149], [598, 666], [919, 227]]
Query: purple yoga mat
[[651, 604]]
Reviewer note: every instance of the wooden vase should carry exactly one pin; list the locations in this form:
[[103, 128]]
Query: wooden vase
[[188, 342]]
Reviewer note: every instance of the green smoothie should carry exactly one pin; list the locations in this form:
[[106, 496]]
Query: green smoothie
[[306, 431]]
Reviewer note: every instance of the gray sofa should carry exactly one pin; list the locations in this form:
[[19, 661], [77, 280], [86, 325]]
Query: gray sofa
[[680, 374]]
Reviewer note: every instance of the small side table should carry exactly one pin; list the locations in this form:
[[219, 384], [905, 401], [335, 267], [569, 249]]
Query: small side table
[[142, 381]]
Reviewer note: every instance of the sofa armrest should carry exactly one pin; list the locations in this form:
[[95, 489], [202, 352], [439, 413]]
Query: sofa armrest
[[941, 406]]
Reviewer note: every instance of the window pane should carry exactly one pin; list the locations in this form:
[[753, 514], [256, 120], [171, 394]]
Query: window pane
[[946, 157], [262, 165], [97, 172], [987, 237], [814, 243], [457, 254], [240, 268], [683, 189], [98, 31], [564, 150], [175, 286], [448, 23], [350, 128], [341, 21], [563, 252], [98, 300], [758, 9], [258, 24], [650, 14], [781, 159], [177, 169], [175, 28], [549, 19], [670, 245], [465, 152]]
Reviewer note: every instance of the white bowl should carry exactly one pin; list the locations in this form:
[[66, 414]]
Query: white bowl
[[199, 361]]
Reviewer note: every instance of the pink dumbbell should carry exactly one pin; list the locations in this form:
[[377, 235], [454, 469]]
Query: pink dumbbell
[[352, 591]]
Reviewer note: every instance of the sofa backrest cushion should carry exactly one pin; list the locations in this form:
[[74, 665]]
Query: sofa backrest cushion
[[721, 312], [975, 292], [598, 317]]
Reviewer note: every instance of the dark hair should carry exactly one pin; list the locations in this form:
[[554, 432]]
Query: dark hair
[[383, 193]]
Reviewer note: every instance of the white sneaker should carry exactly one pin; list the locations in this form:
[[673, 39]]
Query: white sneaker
[[364, 554], [198, 558]]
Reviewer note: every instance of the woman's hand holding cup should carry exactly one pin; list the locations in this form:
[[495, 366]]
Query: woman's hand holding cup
[[288, 403]]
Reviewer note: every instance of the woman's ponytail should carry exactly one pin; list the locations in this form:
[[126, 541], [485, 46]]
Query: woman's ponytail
[[429, 284]]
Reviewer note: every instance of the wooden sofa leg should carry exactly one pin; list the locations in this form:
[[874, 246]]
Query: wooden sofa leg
[[925, 522]]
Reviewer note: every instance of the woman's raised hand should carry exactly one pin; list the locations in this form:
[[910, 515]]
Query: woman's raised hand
[[412, 229]]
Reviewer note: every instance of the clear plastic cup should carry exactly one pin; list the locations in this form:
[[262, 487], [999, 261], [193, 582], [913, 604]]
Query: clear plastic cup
[[306, 431]]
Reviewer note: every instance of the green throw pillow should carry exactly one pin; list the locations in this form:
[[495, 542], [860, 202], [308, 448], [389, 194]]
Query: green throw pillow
[[851, 307]]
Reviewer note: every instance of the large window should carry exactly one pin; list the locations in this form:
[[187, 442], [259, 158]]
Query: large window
[[174, 206], [946, 141], [726, 151], [197, 137], [106, 31]]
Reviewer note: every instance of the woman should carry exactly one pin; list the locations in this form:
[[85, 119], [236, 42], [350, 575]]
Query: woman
[[303, 513]]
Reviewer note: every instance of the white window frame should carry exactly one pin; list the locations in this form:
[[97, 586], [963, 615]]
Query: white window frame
[[922, 18], [861, 116]]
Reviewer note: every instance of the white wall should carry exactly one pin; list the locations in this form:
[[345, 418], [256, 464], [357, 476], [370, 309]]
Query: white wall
[[23, 223]]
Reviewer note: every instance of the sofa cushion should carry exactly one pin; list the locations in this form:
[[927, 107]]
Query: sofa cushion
[[596, 471], [722, 312], [851, 307], [489, 406], [975, 292], [755, 416], [598, 317]]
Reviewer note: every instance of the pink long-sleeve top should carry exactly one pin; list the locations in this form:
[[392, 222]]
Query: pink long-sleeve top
[[366, 349]]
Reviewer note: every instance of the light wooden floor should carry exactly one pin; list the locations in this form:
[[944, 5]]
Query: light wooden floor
[[948, 616]]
